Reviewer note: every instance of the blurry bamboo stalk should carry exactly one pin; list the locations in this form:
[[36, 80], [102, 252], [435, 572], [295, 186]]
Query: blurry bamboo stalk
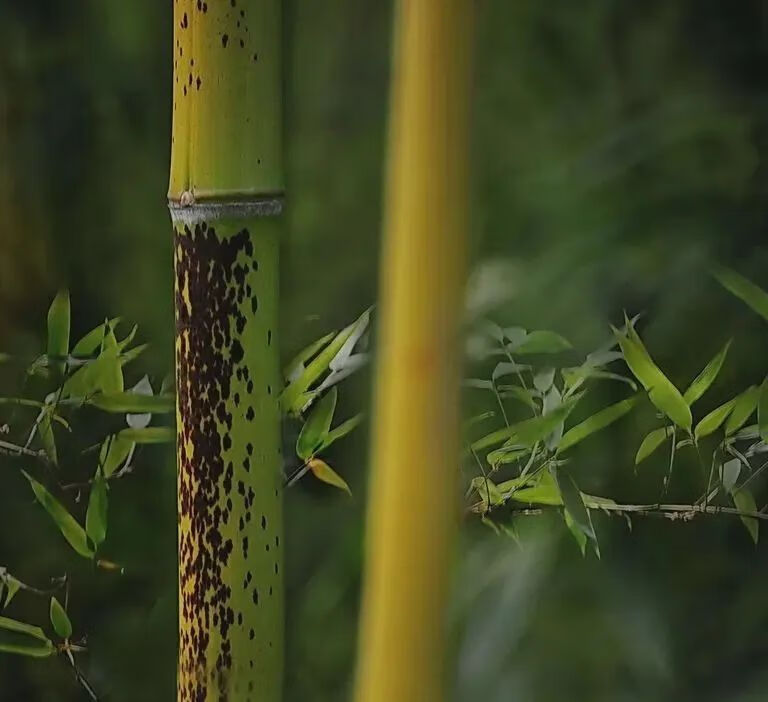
[[225, 198], [414, 506]]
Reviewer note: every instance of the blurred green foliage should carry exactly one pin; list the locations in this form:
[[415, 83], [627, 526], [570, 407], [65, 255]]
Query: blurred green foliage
[[619, 149]]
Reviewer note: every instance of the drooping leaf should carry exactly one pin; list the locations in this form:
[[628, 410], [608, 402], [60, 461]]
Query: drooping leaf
[[744, 289], [746, 404], [317, 425], [297, 363], [651, 442], [576, 531], [714, 419], [60, 619], [12, 588], [762, 410], [597, 422], [704, 380], [23, 628], [662, 393], [322, 471], [541, 342], [574, 503], [67, 524], [745, 502], [58, 331], [541, 491], [96, 516], [45, 434], [115, 451], [148, 435], [341, 431], [543, 379], [120, 402], [729, 474]]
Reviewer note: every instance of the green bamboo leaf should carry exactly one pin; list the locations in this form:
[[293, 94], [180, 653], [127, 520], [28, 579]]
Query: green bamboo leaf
[[543, 491], [43, 650], [745, 502], [46, 436], [662, 393], [651, 442], [58, 331], [596, 422], [729, 474], [22, 628], [529, 431], [746, 404], [704, 380], [541, 342], [121, 402], [114, 452], [487, 491], [89, 343], [714, 419], [133, 354], [316, 427], [744, 289], [506, 454], [574, 503], [322, 471], [60, 620], [576, 531], [12, 588], [515, 392], [297, 363], [762, 410], [341, 431], [148, 435], [96, 516], [68, 526]]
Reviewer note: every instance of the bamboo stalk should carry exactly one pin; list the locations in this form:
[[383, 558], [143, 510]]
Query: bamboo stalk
[[225, 196], [414, 507]]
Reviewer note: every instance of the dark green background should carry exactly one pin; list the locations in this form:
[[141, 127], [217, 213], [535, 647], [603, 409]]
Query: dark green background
[[618, 148]]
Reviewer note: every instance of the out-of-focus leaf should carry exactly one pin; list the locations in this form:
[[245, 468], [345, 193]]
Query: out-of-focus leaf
[[729, 474], [317, 425], [574, 378], [506, 454], [762, 410], [541, 341], [58, 331], [542, 491], [142, 389], [96, 516], [12, 588], [529, 431], [576, 531], [664, 395], [714, 419], [477, 384], [745, 502], [746, 404], [22, 628], [596, 422], [515, 392], [651, 442], [552, 400], [704, 380], [487, 491], [148, 435], [297, 363], [322, 471], [477, 419], [121, 402], [68, 526], [340, 431], [504, 368], [543, 379], [60, 619], [574, 503], [124, 343], [744, 289], [114, 452], [43, 650]]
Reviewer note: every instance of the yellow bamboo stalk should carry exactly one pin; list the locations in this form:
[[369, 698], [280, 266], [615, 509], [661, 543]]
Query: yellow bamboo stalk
[[413, 510]]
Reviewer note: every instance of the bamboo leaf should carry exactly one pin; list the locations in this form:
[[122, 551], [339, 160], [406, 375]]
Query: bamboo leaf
[[121, 402], [651, 442], [704, 380], [487, 491], [12, 586], [745, 502], [662, 393], [148, 435], [746, 404], [506, 454], [31, 651], [576, 531], [504, 368], [322, 471], [544, 491], [541, 342], [316, 427], [58, 330], [59, 619], [341, 431], [729, 474], [477, 383], [297, 363], [744, 289], [714, 420], [68, 526], [22, 628], [596, 422], [96, 516], [515, 392], [114, 452], [45, 434], [93, 339], [762, 411], [543, 379], [574, 503]]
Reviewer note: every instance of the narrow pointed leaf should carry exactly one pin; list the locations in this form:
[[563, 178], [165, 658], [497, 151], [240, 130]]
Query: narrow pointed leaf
[[341, 431], [317, 425], [745, 502], [729, 474], [58, 330], [596, 422], [60, 620], [574, 503], [746, 404], [297, 363], [12, 586], [744, 289], [149, 435], [22, 628], [122, 402], [704, 380], [96, 516], [93, 339], [542, 342], [322, 471], [651, 442], [762, 411]]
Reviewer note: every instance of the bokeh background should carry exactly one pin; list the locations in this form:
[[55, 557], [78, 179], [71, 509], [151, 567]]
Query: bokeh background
[[619, 148]]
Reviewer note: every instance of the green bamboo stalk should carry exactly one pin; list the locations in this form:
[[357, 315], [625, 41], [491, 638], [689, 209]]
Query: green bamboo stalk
[[225, 197]]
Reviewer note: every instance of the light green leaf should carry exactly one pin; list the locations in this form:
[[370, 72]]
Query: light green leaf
[[322, 471], [316, 427], [68, 526], [543, 491], [541, 342], [93, 339], [662, 393], [96, 516], [132, 402], [729, 474], [43, 650], [46, 436], [744, 289], [576, 531], [342, 430], [505, 368], [58, 330], [114, 452], [487, 491], [704, 380], [746, 404], [297, 363], [148, 435], [22, 628], [714, 419], [60, 620], [13, 586], [762, 410], [506, 454], [651, 442], [515, 392], [529, 431], [745, 502], [596, 422]]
